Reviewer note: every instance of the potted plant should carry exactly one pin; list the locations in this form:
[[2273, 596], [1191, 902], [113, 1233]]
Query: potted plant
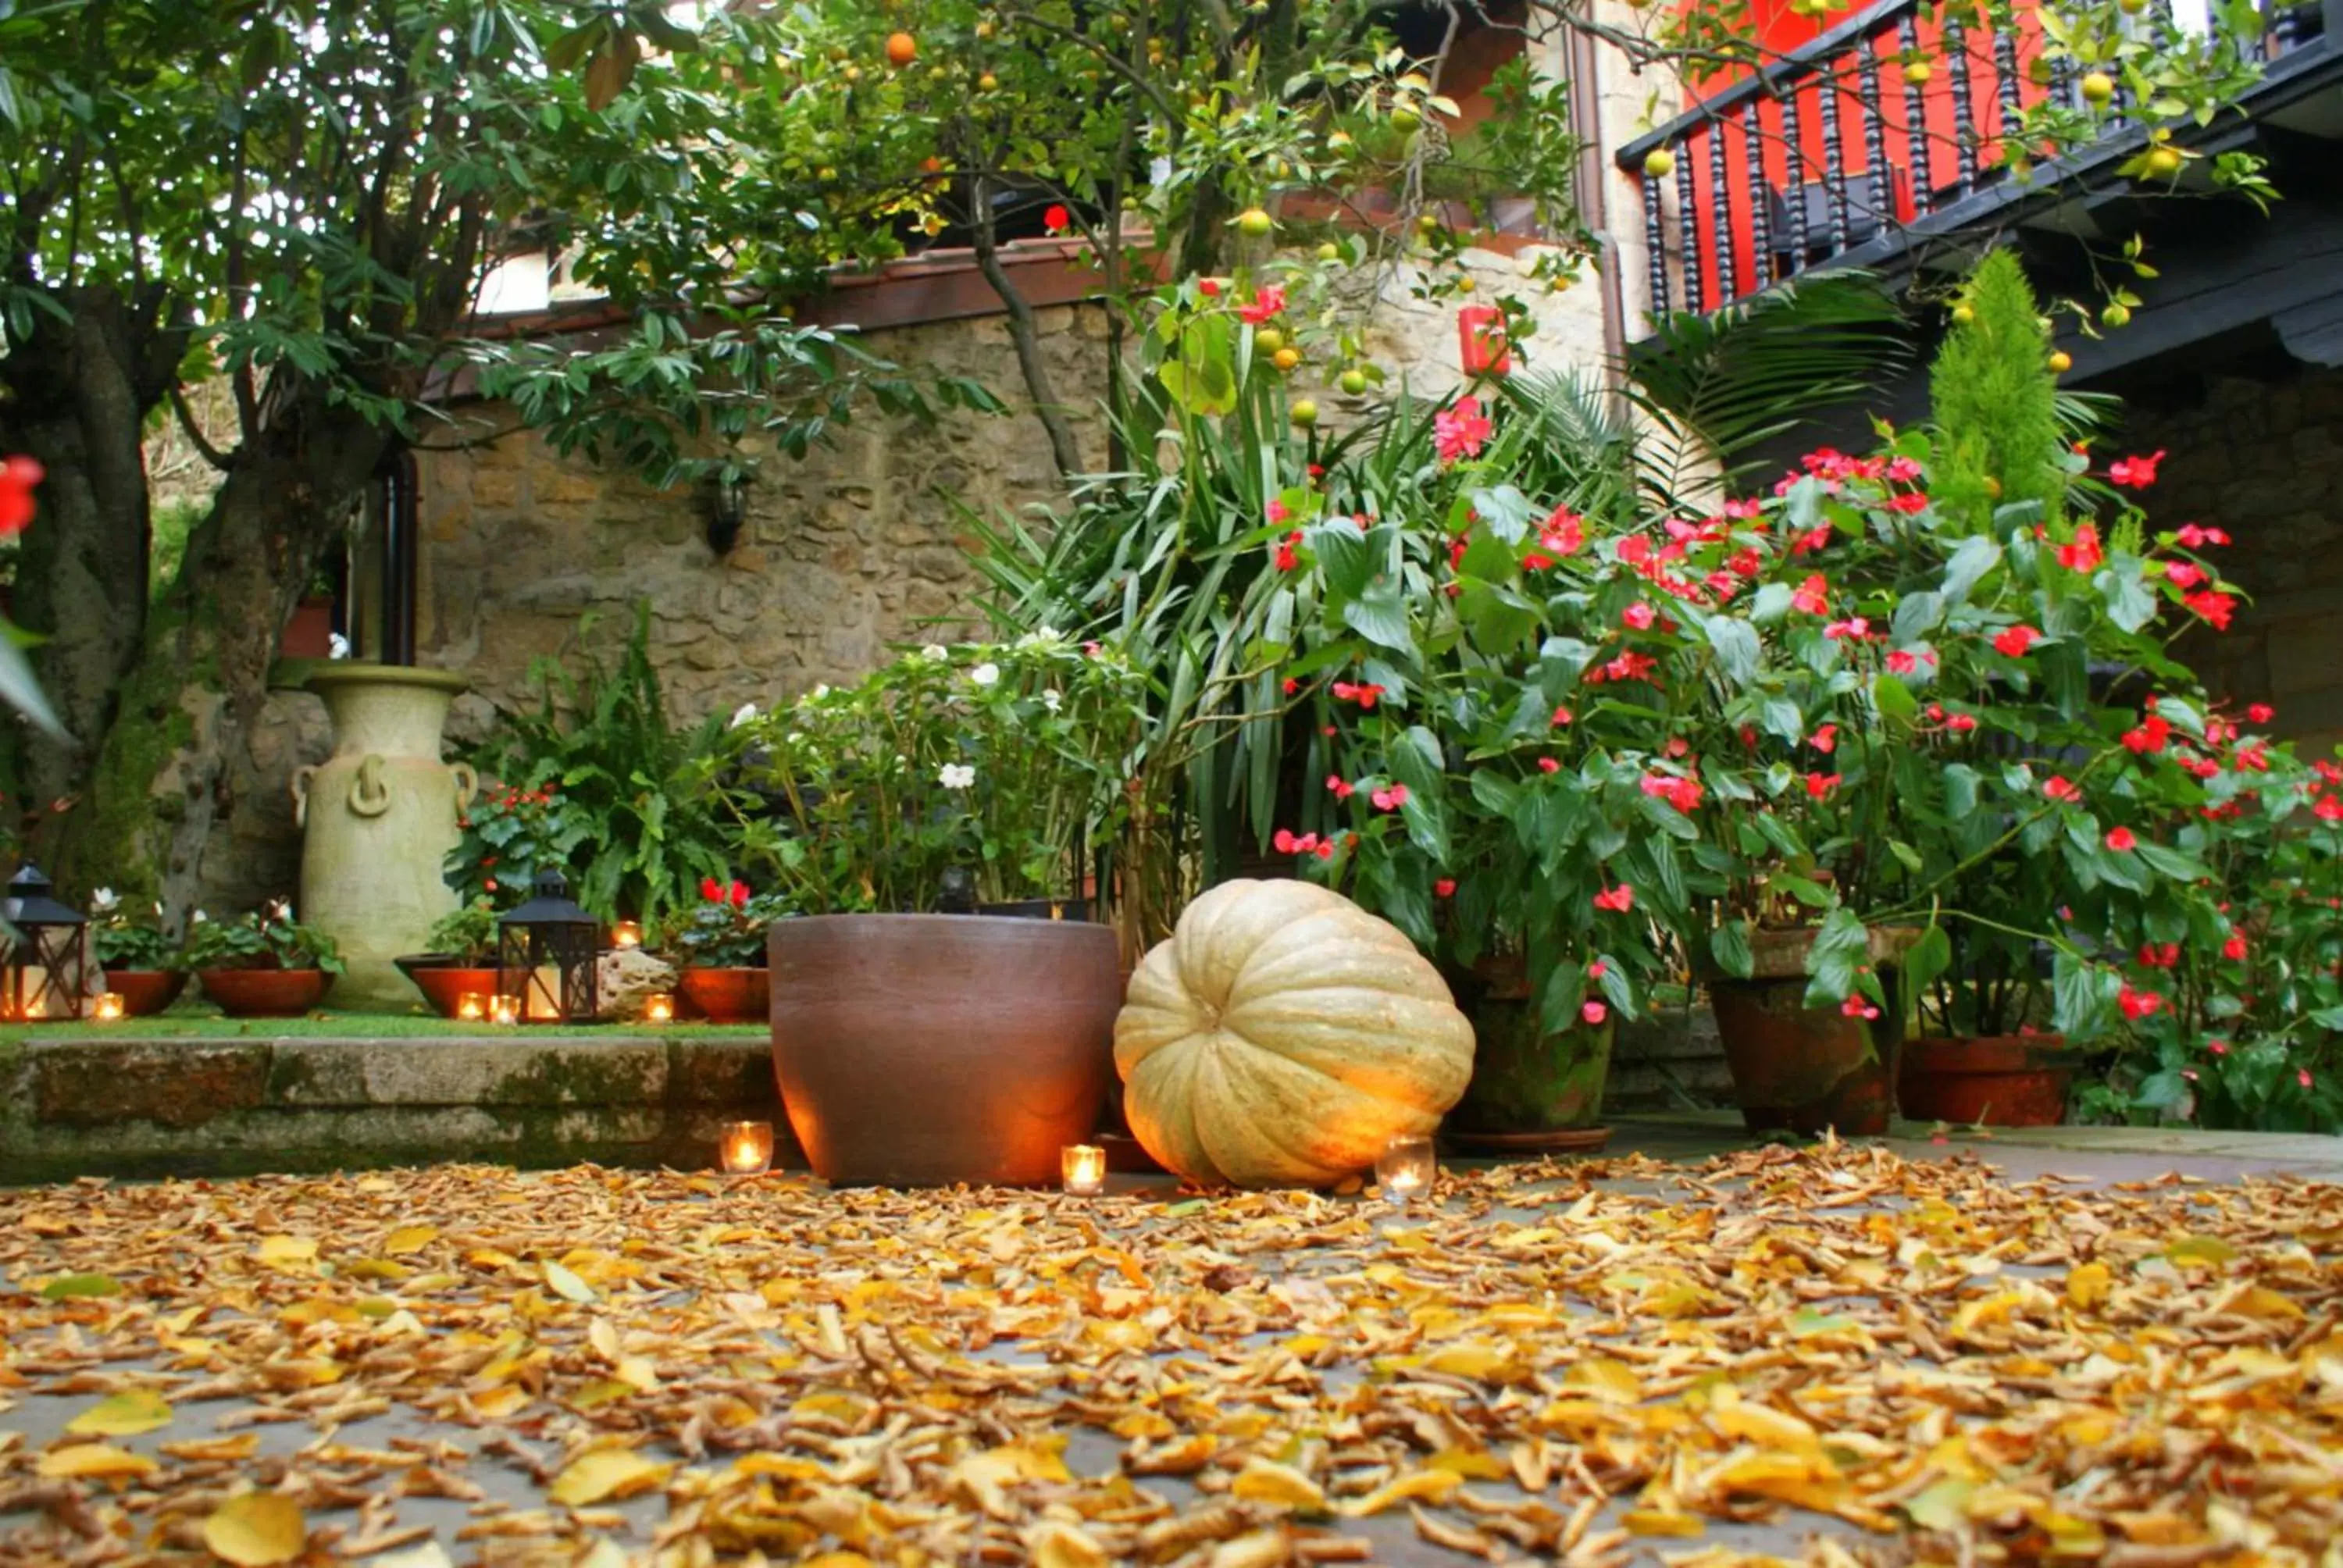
[[264, 964], [718, 947], [918, 1048], [138, 959], [462, 960]]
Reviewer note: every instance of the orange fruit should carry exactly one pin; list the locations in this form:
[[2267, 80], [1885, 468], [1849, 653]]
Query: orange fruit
[[901, 49]]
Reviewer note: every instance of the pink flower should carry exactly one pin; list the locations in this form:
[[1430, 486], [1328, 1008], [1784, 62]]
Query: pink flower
[[1343, 787], [1902, 661], [2182, 574], [2084, 554], [1277, 512], [1812, 596], [1564, 531], [1856, 1007], [2302, 1076], [1855, 626], [1267, 301], [1597, 969], [2137, 1004], [1459, 432], [2261, 713], [1620, 899], [1825, 739], [1562, 716], [1684, 794], [2138, 473], [1364, 695], [1390, 799], [1594, 1011], [1638, 615], [2014, 640], [1548, 765], [2192, 537], [2121, 838], [2218, 1047]]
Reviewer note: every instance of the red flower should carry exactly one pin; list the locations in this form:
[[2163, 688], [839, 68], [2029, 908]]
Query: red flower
[[1459, 432], [19, 477], [2196, 538], [739, 897], [1292, 686], [2138, 473], [1856, 1007], [1564, 531], [2014, 640], [2251, 759], [1548, 765], [2084, 554], [1267, 301], [2234, 947], [1276, 510], [1960, 723], [2151, 735], [1620, 899], [1820, 785], [1684, 794], [1901, 470], [2182, 574], [1445, 887], [1343, 787], [1634, 550], [1286, 843], [1825, 739], [1855, 626], [2212, 607], [1366, 695], [1563, 716], [2302, 1076], [1594, 1011], [1324, 851], [2121, 838], [2261, 713], [1056, 219], [2136, 1004], [1285, 560], [2061, 787], [2152, 957], [1638, 615], [712, 891], [2218, 1047], [2329, 809], [1812, 596], [1390, 799], [1209, 287]]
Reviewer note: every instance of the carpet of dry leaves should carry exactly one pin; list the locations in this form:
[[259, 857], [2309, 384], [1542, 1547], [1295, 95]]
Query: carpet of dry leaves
[[1587, 1361]]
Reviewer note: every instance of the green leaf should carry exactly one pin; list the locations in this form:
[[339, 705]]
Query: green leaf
[[1735, 642], [68, 1287], [1926, 960], [1976, 556], [1380, 616], [1728, 944]]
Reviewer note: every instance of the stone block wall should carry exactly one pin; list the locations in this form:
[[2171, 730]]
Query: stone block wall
[[2263, 459]]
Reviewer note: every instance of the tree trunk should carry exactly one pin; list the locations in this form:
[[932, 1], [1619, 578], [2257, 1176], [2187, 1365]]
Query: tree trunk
[[79, 392], [163, 777]]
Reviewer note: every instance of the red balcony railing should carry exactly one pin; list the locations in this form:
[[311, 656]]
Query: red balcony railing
[[1836, 144]]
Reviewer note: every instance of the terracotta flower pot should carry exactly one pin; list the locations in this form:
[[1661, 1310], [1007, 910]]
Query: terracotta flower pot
[[145, 992], [265, 993], [444, 983], [921, 1050], [2005, 1080], [725, 995], [1807, 1069], [1525, 1080]]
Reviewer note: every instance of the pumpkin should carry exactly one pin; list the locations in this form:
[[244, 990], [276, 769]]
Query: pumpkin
[[1282, 1036]]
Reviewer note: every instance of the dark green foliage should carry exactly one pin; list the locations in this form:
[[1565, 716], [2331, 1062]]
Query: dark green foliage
[[1996, 402]]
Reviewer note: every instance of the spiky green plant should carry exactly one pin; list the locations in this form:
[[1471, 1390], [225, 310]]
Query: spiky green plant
[[1995, 401]]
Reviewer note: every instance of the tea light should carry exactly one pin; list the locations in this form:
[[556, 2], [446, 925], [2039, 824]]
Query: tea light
[[504, 1009], [1405, 1168], [745, 1148], [1082, 1166], [626, 934], [472, 1007], [109, 1008], [658, 1008]]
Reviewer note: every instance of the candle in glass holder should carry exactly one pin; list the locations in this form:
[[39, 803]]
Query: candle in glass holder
[[1405, 1168], [504, 1009], [1082, 1166], [626, 934], [109, 1008], [471, 1007], [745, 1148], [658, 1008]]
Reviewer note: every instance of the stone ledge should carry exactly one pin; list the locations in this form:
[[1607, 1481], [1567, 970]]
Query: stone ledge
[[145, 1108]]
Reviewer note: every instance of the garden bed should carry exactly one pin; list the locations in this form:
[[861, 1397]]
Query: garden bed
[[212, 1097]]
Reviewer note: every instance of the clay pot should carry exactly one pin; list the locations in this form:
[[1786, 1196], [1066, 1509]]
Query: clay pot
[[1808, 1069], [1524, 1078], [921, 1050], [1039, 909], [444, 983], [265, 993], [145, 992], [724, 995], [380, 818], [310, 633], [2005, 1080]]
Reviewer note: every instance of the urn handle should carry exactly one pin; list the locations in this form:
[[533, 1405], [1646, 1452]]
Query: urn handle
[[468, 785], [302, 778], [369, 796]]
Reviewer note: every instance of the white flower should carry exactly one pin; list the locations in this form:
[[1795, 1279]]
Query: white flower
[[743, 714], [1051, 699], [985, 674], [1048, 637], [820, 692], [1159, 170], [102, 900], [197, 919], [936, 651], [956, 776]]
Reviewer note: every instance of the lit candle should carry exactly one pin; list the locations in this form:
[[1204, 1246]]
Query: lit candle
[[504, 1010], [471, 1007], [626, 934], [109, 1008], [1083, 1168], [745, 1148], [1405, 1168], [544, 994], [658, 1008]]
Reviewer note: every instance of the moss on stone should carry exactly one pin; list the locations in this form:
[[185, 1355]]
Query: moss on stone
[[557, 1078]]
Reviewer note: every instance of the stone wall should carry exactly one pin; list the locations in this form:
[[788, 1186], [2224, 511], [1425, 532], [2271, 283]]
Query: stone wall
[[2263, 459]]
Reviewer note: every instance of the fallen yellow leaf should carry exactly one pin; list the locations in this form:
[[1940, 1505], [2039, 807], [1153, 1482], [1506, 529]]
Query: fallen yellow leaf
[[257, 1530], [93, 1460], [1262, 1481], [1434, 1486], [410, 1239], [1057, 1544], [566, 1285], [125, 1414], [293, 1254], [607, 1474], [2088, 1285]]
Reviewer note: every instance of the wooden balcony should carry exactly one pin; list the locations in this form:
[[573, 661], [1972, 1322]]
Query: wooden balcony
[[1836, 155]]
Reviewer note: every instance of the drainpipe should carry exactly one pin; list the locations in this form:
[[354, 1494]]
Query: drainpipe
[[399, 481], [1593, 205]]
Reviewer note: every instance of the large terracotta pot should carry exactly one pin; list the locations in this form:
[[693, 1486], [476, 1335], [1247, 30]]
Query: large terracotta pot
[[445, 983], [1524, 1078], [2005, 1080], [265, 993], [725, 995], [380, 818], [921, 1050], [1807, 1069], [145, 992]]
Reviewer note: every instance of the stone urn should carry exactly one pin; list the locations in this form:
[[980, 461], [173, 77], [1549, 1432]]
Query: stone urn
[[378, 818]]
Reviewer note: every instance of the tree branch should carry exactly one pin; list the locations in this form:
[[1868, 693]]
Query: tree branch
[[210, 454], [1046, 408]]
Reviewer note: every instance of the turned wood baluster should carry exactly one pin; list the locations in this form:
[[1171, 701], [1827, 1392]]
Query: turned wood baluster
[[1656, 244], [1916, 115], [1761, 237], [2005, 65], [1688, 218], [1720, 211], [1965, 132], [1834, 162], [1868, 62], [1801, 241]]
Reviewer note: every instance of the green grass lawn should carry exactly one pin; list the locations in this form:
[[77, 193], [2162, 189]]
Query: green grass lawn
[[201, 1023]]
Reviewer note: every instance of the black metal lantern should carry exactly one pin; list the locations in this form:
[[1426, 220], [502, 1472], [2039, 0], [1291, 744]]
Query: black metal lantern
[[547, 957], [46, 971]]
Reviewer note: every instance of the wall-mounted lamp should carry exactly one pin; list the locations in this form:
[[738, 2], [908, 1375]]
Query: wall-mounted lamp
[[727, 508]]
